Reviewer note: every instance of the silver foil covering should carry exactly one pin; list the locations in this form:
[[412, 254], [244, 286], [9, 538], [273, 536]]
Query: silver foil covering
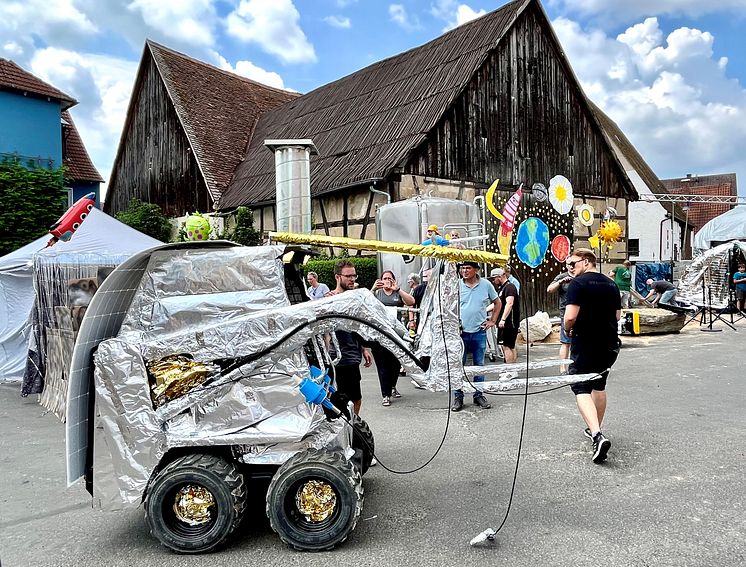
[[217, 306], [705, 280]]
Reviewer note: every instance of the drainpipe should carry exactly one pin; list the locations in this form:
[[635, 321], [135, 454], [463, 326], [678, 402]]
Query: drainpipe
[[386, 194], [660, 238], [293, 184]]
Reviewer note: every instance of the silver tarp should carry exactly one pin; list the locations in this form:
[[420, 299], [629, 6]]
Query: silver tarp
[[706, 280]]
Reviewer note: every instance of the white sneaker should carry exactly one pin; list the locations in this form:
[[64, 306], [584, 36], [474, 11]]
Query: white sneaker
[[386, 401], [374, 462]]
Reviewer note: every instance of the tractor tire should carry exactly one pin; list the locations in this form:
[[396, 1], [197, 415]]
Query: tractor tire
[[195, 503], [362, 440], [315, 500]]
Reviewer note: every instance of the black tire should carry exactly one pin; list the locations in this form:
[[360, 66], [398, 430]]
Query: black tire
[[337, 476], [167, 521], [363, 441]]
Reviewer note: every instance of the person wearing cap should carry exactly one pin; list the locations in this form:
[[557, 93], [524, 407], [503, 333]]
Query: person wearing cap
[[475, 294], [510, 313], [434, 237]]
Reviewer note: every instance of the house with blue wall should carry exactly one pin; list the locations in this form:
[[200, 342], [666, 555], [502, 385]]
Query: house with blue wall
[[36, 127]]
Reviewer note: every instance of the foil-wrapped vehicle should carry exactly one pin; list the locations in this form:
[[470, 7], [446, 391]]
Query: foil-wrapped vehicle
[[201, 368]]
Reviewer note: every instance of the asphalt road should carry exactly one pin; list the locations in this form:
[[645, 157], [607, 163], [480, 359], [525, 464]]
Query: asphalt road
[[671, 493]]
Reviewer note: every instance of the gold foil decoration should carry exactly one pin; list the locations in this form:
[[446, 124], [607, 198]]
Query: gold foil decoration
[[192, 505], [175, 375], [448, 253], [316, 500]]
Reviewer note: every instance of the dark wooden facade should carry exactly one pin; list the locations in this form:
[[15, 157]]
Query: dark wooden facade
[[522, 119], [155, 162]]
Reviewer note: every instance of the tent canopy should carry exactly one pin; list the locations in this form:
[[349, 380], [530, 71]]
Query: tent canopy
[[99, 234], [729, 226]]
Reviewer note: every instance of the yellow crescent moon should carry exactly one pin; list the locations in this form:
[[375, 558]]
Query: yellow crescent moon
[[490, 201]]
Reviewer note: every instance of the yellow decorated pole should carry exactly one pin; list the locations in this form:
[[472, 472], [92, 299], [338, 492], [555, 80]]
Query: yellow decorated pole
[[448, 253]]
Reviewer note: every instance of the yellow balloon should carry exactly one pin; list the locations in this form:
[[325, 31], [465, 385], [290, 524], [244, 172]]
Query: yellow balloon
[[490, 201]]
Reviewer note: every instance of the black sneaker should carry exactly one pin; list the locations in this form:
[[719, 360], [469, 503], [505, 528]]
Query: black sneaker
[[458, 404], [482, 402], [601, 446], [587, 433]]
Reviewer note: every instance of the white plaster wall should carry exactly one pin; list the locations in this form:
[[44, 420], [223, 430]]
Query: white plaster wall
[[644, 222]]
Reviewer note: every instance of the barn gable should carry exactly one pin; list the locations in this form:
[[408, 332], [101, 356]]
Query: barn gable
[[187, 128], [494, 98]]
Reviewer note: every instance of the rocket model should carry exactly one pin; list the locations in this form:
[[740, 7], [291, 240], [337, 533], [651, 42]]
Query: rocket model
[[69, 222], [505, 234]]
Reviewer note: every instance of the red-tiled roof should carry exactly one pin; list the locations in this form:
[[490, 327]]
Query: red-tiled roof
[[720, 184], [76, 159], [217, 109], [13, 77]]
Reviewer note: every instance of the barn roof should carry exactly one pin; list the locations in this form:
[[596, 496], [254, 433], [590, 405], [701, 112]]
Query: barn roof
[[76, 159], [13, 77], [367, 123], [621, 143], [217, 109]]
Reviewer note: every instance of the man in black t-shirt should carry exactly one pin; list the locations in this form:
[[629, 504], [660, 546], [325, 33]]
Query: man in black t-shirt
[[510, 313], [593, 309]]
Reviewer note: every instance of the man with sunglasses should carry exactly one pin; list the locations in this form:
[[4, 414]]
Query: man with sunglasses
[[593, 309], [347, 370]]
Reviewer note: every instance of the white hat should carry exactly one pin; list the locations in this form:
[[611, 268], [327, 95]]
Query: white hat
[[496, 272]]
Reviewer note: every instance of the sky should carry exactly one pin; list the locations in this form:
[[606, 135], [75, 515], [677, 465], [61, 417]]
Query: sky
[[670, 73]]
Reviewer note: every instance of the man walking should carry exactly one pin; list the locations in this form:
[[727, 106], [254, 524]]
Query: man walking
[[623, 280], [316, 289], [593, 309], [352, 352], [510, 314], [475, 294]]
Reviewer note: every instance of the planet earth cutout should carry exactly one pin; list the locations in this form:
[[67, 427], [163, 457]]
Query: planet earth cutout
[[532, 241]]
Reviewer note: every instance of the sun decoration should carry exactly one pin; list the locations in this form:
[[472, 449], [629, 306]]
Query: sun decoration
[[610, 232], [560, 194]]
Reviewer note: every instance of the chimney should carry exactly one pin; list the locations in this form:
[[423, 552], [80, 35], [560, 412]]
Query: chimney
[[293, 183]]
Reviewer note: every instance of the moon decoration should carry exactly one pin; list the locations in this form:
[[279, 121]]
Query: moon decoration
[[586, 214], [540, 192], [560, 194], [505, 234], [489, 199], [560, 247], [532, 241]]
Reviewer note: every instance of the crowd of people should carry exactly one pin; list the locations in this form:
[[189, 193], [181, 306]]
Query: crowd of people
[[590, 306]]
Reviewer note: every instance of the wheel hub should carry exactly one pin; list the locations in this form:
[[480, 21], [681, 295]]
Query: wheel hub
[[192, 505], [316, 500]]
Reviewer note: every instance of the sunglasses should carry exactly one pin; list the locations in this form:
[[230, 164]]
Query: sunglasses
[[572, 263]]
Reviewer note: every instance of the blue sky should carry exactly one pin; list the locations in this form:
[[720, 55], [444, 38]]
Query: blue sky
[[671, 73]]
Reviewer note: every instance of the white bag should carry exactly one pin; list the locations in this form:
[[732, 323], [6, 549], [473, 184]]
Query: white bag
[[536, 328]]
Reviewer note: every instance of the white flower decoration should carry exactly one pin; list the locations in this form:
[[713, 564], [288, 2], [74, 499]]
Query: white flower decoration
[[560, 194]]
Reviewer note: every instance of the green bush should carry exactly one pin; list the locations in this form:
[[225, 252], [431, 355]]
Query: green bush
[[31, 199], [148, 219], [365, 266], [244, 231]]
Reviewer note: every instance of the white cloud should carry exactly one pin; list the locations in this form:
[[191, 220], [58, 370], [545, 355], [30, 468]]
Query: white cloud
[[250, 71], [338, 22], [274, 25], [102, 85], [345, 3], [670, 95], [630, 10], [398, 14], [453, 13], [178, 19], [59, 22]]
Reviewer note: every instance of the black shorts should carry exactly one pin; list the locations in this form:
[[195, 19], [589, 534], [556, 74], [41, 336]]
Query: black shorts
[[740, 294], [507, 336], [348, 381], [600, 363]]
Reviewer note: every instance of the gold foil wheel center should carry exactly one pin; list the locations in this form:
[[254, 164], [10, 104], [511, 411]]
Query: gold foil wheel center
[[192, 505], [316, 500]]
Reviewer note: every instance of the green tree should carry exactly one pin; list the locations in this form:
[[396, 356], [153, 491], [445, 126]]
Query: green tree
[[244, 231], [31, 199], [365, 266], [148, 219]]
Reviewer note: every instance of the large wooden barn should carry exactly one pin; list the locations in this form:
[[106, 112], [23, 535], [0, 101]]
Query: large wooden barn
[[492, 99]]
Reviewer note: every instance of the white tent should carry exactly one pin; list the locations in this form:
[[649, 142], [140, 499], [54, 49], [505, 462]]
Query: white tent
[[729, 226], [99, 234]]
